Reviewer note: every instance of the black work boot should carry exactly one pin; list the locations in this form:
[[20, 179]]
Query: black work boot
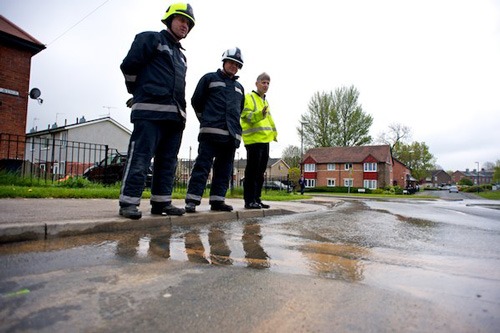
[[221, 207], [130, 212], [190, 207], [166, 210], [252, 205], [263, 205]]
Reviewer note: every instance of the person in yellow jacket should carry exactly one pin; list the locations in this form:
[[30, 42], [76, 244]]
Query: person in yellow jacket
[[258, 129]]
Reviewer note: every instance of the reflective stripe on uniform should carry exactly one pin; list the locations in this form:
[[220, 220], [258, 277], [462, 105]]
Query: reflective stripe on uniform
[[216, 84], [258, 129], [216, 198], [212, 130], [129, 200], [154, 107], [164, 47], [193, 197], [130, 78], [161, 198]]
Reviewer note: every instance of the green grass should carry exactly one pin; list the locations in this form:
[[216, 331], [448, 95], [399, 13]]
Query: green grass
[[492, 195], [12, 186]]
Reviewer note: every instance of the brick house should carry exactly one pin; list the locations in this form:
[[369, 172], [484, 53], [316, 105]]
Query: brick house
[[17, 48], [277, 169], [361, 167], [437, 178], [481, 177]]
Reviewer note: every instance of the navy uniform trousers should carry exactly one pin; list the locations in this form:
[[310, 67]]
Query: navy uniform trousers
[[221, 157], [160, 139]]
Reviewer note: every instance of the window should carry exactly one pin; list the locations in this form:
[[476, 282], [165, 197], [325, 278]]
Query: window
[[44, 142], [347, 166], [370, 167], [309, 167], [371, 184], [64, 139], [330, 167], [62, 168], [311, 182], [348, 182], [330, 182]]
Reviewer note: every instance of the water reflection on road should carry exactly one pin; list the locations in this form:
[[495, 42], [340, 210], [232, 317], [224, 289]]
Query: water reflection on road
[[352, 242]]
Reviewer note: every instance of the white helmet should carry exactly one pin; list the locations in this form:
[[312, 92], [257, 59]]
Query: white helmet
[[233, 54]]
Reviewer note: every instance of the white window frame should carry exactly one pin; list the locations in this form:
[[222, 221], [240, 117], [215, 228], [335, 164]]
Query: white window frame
[[347, 166], [370, 167], [348, 182], [310, 182], [370, 183], [44, 143], [64, 139], [330, 167], [330, 182], [309, 167]]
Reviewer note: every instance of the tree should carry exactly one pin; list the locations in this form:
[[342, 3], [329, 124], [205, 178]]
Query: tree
[[489, 166], [396, 134], [291, 156], [496, 173], [294, 176], [465, 181], [336, 120], [415, 156]]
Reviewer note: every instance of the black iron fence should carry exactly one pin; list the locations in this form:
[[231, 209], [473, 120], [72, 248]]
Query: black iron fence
[[53, 160], [49, 158]]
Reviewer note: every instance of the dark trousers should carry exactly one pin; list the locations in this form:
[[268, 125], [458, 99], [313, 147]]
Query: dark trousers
[[221, 157], [257, 157], [158, 139]]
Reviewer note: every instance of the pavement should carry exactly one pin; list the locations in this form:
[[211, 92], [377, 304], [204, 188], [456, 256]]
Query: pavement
[[24, 219]]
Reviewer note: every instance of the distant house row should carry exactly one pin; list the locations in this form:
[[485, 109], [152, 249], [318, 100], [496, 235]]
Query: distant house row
[[361, 167], [369, 167], [478, 177]]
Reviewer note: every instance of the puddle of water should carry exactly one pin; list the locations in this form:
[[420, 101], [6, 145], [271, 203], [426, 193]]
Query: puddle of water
[[350, 244]]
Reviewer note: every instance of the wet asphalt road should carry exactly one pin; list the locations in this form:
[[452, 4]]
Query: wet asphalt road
[[361, 266]]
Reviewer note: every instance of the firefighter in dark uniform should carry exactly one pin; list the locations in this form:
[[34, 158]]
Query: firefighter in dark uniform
[[218, 101], [155, 74]]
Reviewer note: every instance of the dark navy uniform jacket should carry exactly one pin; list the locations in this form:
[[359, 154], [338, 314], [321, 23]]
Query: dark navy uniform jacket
[[218, 102], [155, 71]]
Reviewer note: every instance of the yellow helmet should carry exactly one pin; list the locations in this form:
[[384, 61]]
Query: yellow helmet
[[184, 9]]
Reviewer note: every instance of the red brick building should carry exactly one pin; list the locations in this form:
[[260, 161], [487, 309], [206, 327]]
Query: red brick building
[[17, 48], [361, 166]]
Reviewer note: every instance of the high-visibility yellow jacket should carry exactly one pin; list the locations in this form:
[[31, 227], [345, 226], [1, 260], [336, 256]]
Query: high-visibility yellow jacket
[[256, 127]]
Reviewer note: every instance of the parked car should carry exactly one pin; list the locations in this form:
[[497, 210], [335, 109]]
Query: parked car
[[453, 189], [110, 171], [275, 185]]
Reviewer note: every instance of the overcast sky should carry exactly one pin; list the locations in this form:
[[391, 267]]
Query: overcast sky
[[431, 65]]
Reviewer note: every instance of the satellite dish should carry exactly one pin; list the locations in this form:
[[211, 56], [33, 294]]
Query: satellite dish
[[35, 93]]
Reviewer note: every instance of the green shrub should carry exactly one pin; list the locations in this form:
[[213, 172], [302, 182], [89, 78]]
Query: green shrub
[[75, 182], [465, 181], [472, 189]]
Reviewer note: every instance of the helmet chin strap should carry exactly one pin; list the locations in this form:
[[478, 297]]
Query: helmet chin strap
[[173, 34]]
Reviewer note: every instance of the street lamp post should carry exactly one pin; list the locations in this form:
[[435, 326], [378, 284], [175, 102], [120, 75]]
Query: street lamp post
[[477, 177], [302, 123]]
